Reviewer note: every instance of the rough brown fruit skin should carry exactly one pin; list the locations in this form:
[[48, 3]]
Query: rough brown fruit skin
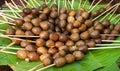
[[19, 22], [27, 26], [35, 22], [36, 30], [19, 32], [82, 28], [60, 61], [54, 36], [43, 56], [75, 37], [27, 11], [50, 43], [42, 50], [40, 42], [69, 43], [44, 35], [45, 25], [95, 34], [70, 58], [106, 23], [10, 31], [30, 48], [33, 56], [80, 43], [83, 48], [52, 51], [78, 55], [58, 44], [84, 35], [91, 43], [22, 54], [24, 44], [47, 61]]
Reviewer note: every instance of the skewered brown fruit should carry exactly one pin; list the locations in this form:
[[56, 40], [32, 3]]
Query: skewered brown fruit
[[73, 48], [31, 48], [76, 24], [85, 15], [63, 16], [78, 55], [42, 50], [58, 44], [35, 21], [89, 23], [60, 61], [117, 27], [85, 35], [47, 61], [80, 19], [83, 48], [52, 51], [40, 42], [22, 54], [99, 27], [24, 44], [70, 19], [95, 34], [63, 38], [80, 43], [107, 31], [44, 34], [43, 16], [10, 31], [45, 25], [70, 58], [33, 56], [27, 11], [53, 14], [111, 27], [46, 10], [50, 43], [54, 36], [63, 10], [69, 43], [74, 37], [62, 52], [106, 23], [91, 43], [82, 28], [44, 56], [36, 30], [27, 26], [62, 23], [65, 48], [19, 32], [34, 11], [19, 22]]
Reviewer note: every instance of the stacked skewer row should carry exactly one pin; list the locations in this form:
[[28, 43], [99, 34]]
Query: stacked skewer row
[[57, 36]]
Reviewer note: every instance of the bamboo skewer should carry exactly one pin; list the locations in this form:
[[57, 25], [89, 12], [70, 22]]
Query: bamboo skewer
[[84, 3], [117, 21], [94, 6], [7, 46], [106, 11], [32, 3], [109, 13], [36, 2], [15, 5], [115, 17], [6, 17], [28, 3], [22, 3], [35, 67], [11, 9]]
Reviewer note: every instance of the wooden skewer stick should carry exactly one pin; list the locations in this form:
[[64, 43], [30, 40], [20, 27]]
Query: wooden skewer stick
[[58, 6], [4, 36], [107, 44], [105, 11], [37, 3], [8, 11], [4, 16], [109, 3], [11, 9], [32, 3], [22, 3], [117, 21], [15, 11], [7, 46], [72, 4], [8, 52], [111, 34], [110, 40], [35, 67], [115, 17], [46, 67], [108, 14], [8, 15], [94, 6], [113, 12], [91, 4], [3, 22], [15, 5], [108, 47], [84, 3], [80, 4], [28, 4], [13, 48]]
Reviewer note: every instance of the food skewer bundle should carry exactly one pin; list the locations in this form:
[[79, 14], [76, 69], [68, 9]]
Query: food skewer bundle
[[57, 36]]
